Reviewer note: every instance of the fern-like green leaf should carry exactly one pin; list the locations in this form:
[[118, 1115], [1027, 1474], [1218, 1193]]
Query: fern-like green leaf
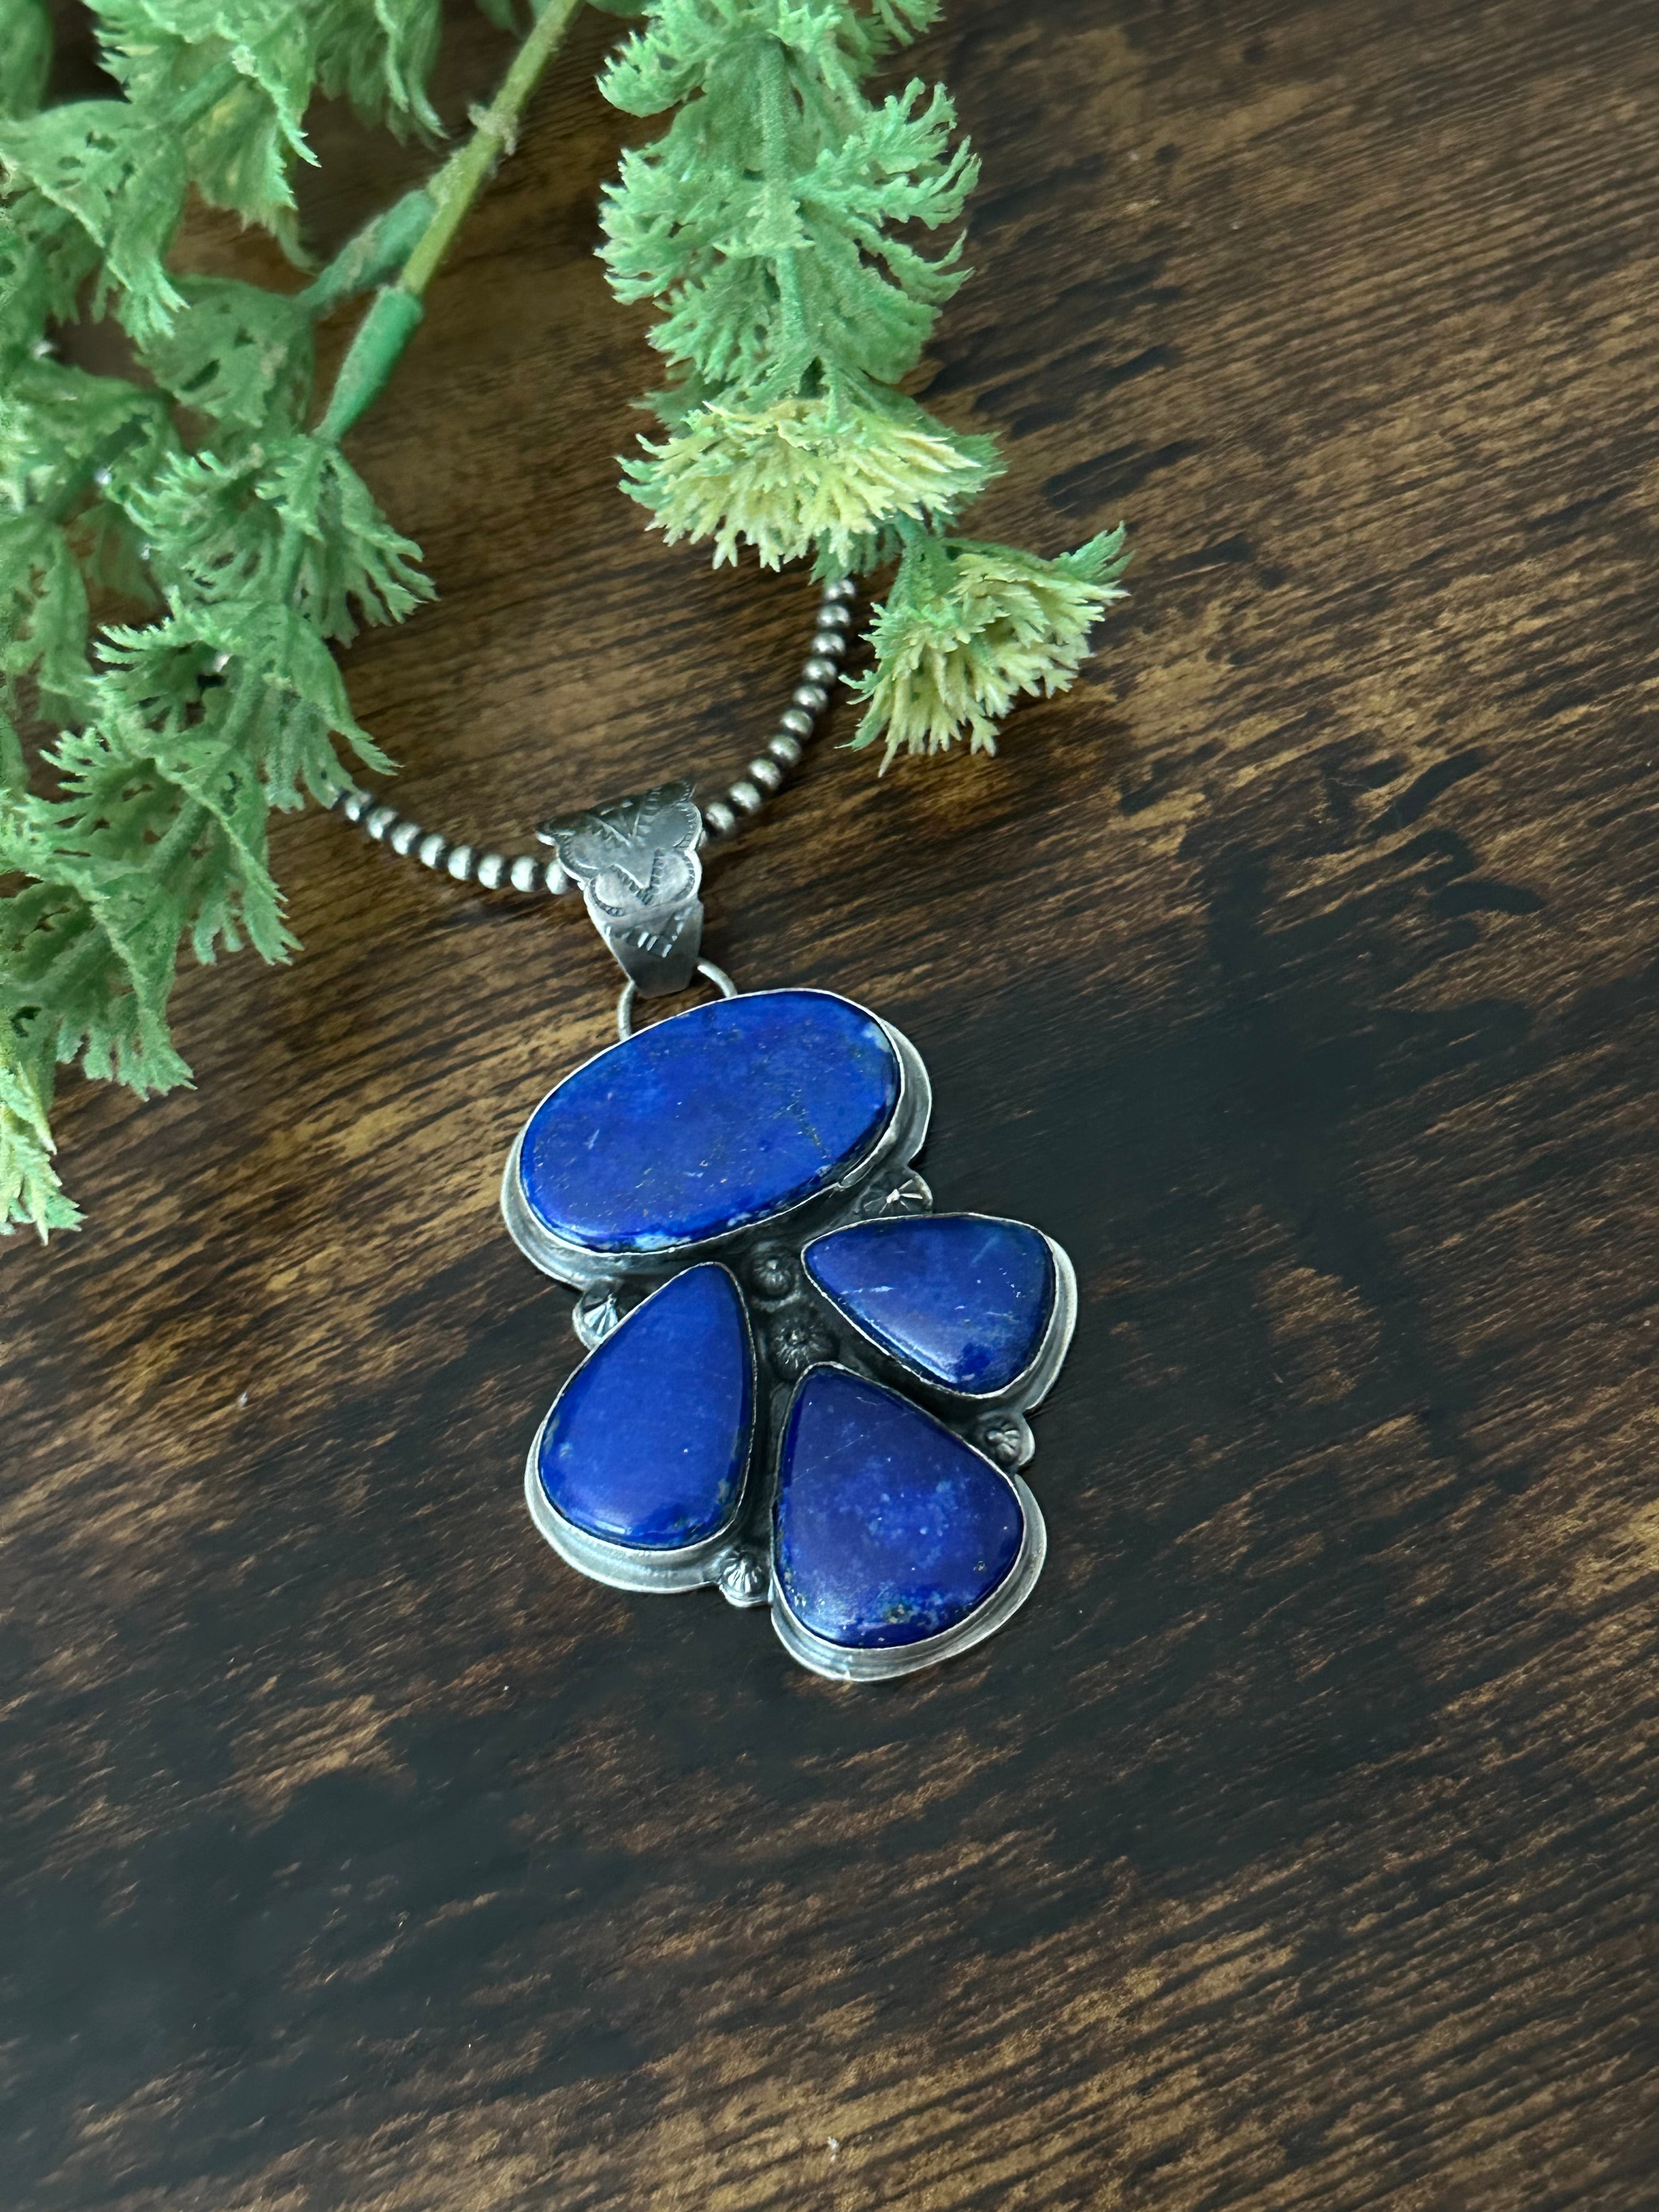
[[802, 474], [282, 650], [381, 61], [40, 275], [194, 490], [208, 534], [969, 627], [59, 426], [93, 941], [891, 24], [284, 697], [43, 611], [235, 896], [354, 566], [774, 226], [233, 77], [237, 352], [773, 274], [14, 763], [30, 1192], [103, 166]]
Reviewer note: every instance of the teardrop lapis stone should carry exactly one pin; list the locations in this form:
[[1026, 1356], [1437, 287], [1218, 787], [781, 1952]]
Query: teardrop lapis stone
[[958, 1298], [889, 1528], [709, 1121], [647, 1443]]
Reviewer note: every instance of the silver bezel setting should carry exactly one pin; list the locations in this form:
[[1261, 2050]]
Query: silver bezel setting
[[624, 1566], [1028, 1389], [830, 1208], [633, 1566]]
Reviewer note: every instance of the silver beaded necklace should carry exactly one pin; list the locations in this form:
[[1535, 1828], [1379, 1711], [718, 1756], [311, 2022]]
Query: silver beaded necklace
[[802, 1386], [533, 875]]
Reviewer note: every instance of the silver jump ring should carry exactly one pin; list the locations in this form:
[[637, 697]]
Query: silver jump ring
[[630, 991]]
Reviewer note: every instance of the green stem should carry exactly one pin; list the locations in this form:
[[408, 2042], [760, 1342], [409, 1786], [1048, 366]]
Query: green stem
[[371, 255], [468, 169], [201, 98], [396, 312], [290, 558], [779, 170]]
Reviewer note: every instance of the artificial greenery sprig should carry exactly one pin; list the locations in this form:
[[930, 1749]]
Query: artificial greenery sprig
[[249, 536], [209, 492], [767, 223]]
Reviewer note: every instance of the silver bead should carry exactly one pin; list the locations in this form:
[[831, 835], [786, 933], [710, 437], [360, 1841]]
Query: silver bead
[[432, 848], [526, 873], [797, 722], [354, 805], [380, 821], [556, 879], [404, 836], [786, 750], [844, 587], [812, 696], [820, 672], [746, 796], [460, 863], [833, 615], [719, 819], [491, 869], [764, 772], [828, 644]]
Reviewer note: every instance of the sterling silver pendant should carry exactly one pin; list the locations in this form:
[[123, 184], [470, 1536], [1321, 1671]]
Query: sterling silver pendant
[[802, 1386]]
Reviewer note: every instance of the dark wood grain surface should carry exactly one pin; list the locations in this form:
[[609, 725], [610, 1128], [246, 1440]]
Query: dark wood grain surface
[[1297, 1846]]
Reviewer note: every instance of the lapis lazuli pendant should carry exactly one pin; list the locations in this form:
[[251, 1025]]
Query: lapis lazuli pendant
[[802, 1386]]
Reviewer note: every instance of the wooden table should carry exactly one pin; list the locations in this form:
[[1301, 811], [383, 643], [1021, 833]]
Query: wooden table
[[1295, 1847]]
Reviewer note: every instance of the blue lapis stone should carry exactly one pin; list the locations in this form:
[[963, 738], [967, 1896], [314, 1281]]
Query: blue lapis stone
[[647, 1443], [958, 1298], [890, 1528], [709, 1121]]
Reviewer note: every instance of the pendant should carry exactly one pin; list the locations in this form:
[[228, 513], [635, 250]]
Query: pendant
[[802, 1386]]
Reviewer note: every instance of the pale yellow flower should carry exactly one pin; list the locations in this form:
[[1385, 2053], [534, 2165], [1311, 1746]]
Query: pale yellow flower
[[804, 476], [968, 628]]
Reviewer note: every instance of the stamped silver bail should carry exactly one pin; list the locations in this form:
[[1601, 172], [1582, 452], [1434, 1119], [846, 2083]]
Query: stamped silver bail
[[637, 864]]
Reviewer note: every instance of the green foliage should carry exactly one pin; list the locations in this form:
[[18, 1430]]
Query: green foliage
[[215, 97], [780, 224], [29, 1190], [805, 474], [379, 251], [967, 628], [236, 352], [198, 494], [775, 261], [101, 186], [194, 727], [773, 224], [43, 629]]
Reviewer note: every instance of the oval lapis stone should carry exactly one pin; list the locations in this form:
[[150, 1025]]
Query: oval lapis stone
[[709, 1121], [648, 1444], [889, 1528], [958, 1298]]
